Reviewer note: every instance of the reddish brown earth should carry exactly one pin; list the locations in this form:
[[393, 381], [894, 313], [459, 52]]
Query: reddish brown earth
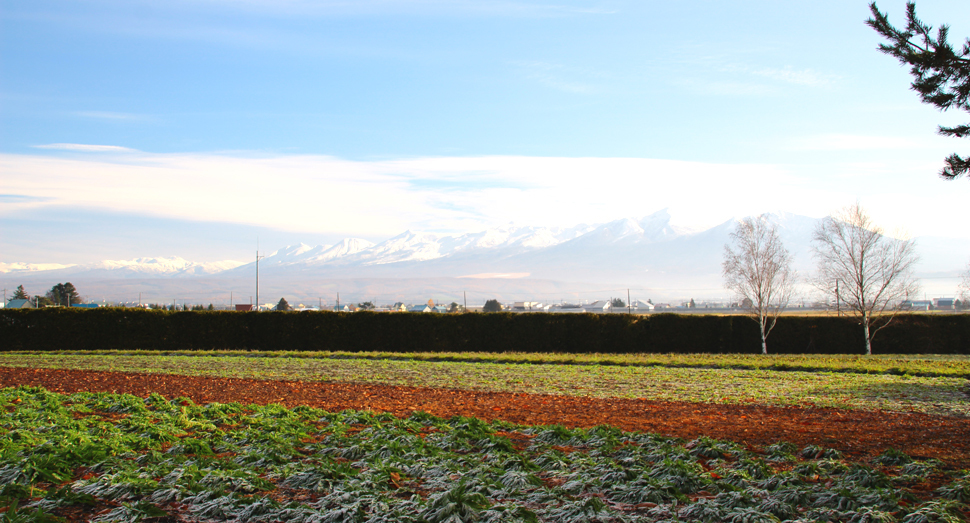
[[860, 434]]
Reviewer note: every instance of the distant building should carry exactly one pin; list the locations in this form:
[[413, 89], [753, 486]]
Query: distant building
[[244, 307], [596, 306], [20, 304], [85, 305], [916, 305], [526, 306], [420, 308], [643, 306], [945, 304]]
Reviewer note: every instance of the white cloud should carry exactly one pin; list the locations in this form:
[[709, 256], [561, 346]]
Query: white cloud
[[377, 199], [88, 148]]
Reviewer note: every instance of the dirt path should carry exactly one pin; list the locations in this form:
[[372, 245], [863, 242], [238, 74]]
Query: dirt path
[[860, 434]]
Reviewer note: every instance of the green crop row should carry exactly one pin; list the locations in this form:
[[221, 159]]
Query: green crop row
[[122, 458], [924, 365], [137, 329]]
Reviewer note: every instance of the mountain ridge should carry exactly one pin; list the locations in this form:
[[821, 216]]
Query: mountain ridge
[[645, 252]]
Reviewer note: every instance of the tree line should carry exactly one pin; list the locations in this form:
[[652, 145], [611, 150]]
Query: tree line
[[859, 269], [62, 294]]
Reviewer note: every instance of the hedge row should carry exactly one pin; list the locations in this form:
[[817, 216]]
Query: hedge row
[[129, 329]]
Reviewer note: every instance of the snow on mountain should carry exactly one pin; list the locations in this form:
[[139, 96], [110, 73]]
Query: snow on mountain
[[657, 227], [407, 246], [292, 254], [510, 236], [161, 266], [653, 228], [31, 267], [346, 247]]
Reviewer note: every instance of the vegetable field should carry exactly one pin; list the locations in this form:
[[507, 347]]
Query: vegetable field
[[482, 437], [914, 384], [117, 457]]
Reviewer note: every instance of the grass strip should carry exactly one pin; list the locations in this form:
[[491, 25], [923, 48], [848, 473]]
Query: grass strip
[[923, 365], [901, 393]]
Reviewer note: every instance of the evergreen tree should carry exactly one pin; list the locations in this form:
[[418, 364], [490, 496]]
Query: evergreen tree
[[211, 308], [64, 294], [42, 301], [282, 305], [365, 306], [492, 306], [941, 75], [20, 294], [618, 303]]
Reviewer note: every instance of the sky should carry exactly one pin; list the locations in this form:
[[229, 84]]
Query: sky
[[198, 128]]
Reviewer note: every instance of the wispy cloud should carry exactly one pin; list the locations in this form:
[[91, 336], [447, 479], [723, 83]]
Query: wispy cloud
[[107, 115], [728, 88], [790, 75], [22, 198], [853, 142], [574, 80], [87, 148], [736, 79], [435, 7]]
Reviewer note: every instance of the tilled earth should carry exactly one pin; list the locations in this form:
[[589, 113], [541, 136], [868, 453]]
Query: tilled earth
[[859, 434]]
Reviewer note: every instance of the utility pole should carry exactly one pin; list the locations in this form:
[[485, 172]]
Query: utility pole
[[629, 305], [465, 296], [230, 300], [257, 273], [338, 302]]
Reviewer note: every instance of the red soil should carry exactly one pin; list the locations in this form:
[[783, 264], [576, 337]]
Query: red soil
[[859, 434]]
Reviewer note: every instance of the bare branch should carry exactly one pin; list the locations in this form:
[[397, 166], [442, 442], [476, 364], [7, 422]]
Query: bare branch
[[859, 266], [757, 268]]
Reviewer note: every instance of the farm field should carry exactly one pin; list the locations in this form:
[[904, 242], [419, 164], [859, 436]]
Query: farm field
[[118, 457], [373, 437], [840, 382]]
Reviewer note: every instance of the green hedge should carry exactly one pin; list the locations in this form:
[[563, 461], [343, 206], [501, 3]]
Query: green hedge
[[129, 329]]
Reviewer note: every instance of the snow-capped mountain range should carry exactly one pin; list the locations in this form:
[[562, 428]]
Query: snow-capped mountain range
[[648, 252], [174, 266]]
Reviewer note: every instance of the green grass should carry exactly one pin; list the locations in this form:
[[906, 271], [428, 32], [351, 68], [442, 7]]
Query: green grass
[[709, 379], [933, 365], [127, 459]]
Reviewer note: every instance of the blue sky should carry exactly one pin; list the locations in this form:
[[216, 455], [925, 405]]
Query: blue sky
[[194, 126]]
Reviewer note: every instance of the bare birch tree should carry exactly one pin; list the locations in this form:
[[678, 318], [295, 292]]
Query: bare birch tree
[[758, 269], [860, 267], [963, 290]]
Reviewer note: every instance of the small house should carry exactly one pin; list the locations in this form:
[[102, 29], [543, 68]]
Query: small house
[[420, 308], [20, 304]]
